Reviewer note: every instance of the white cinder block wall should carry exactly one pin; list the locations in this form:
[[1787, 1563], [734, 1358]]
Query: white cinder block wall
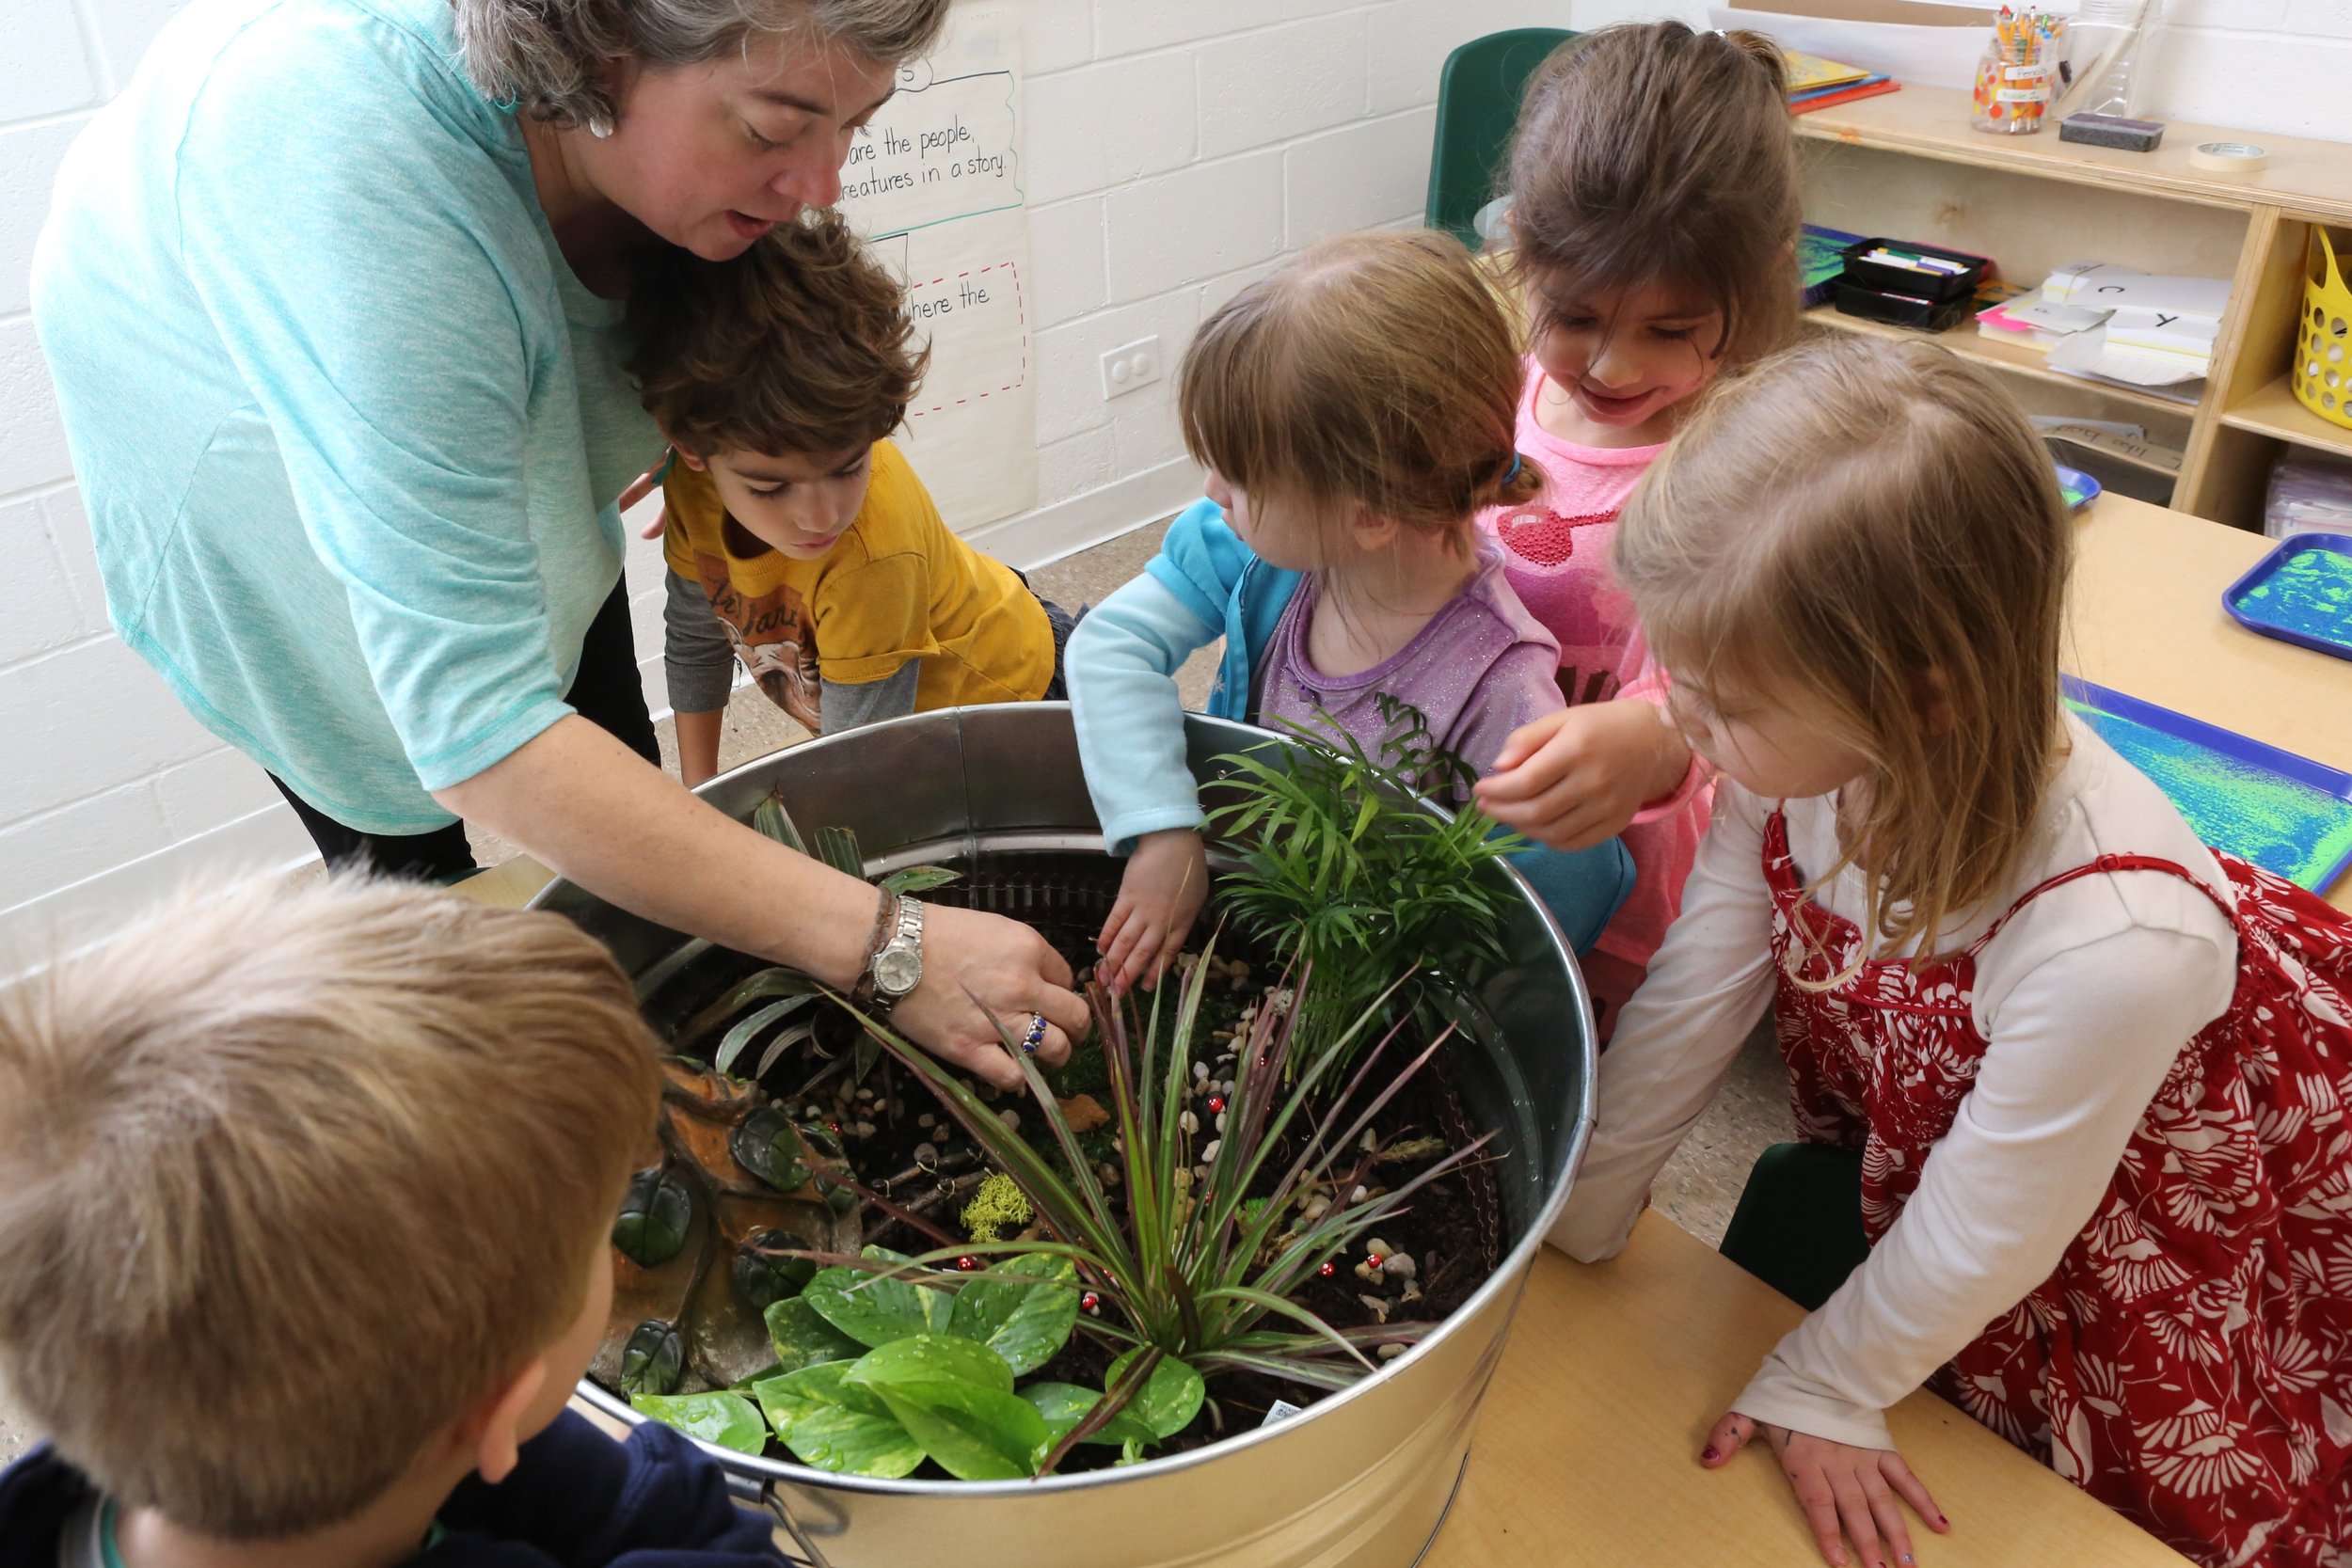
[[1176, 148], [2255, 65]]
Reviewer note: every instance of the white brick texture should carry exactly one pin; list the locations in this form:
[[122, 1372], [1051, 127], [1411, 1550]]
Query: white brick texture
[[1174, 151]]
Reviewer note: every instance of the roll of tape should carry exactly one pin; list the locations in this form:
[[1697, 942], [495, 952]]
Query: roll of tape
[[2229, 157]]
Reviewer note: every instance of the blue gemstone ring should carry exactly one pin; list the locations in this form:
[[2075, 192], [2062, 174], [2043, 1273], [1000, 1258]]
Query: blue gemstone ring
[[1036, 1036]]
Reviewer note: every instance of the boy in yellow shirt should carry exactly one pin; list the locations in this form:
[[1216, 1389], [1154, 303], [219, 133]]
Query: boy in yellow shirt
[[797, 538]]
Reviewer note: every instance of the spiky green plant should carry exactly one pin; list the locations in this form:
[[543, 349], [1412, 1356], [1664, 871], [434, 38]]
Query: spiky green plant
[[1188, 1264], [1341, 863]]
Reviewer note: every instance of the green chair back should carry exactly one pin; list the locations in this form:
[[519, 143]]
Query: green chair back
[[1478, 105]]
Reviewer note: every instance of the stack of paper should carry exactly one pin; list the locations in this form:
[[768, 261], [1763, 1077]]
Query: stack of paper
[[2117, 325]]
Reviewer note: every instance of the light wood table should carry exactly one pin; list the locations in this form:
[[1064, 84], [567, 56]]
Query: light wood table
[[1586, 1448], [2147, 621]]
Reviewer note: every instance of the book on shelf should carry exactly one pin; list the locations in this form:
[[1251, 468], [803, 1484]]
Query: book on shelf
[[1807, 73], [1829, 98]]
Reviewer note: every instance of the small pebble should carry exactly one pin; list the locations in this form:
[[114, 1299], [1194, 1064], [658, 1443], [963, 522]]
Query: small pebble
[[1208, 1154], [1189, 1122], [926, 1157], [1200, 1071], [814, 1113], [1399, 1265], [1376, 1306], [927, 1120], [1011, 1118], [1183, 1178], [1220, 1121], [865, 1094], [1108, 1174], [1368, 1142], [864, 1130], [938, 1134], [1359, 1195], [1389, 1353], [1377, 1247]]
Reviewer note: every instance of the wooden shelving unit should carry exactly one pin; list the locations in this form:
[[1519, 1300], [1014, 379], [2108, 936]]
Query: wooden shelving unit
[[1908, 164]]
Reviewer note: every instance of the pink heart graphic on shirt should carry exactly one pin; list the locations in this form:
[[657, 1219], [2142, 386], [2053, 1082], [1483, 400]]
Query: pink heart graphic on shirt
[[1542, 537]]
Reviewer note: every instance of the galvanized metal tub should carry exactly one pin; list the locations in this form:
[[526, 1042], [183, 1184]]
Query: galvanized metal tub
[[1361, 1479]]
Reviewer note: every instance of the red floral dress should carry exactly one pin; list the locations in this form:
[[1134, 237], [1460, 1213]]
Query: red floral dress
[[2189, 1362]]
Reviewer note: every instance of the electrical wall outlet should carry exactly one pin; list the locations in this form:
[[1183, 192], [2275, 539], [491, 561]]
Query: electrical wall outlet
[[1130, 366]]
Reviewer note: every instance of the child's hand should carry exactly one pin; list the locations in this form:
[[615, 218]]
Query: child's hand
[[639, 488], [1165, 883], [1846, 1492], [1574, 778]]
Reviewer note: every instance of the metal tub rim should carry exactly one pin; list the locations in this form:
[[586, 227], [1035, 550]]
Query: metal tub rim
[[1507, 1277]]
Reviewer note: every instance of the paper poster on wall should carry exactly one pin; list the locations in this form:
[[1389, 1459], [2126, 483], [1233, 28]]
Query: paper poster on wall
[[934, 183]]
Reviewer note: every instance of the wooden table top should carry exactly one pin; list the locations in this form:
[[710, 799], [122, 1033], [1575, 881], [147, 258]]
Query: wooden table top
[[1586, 1448], [2147, 621]]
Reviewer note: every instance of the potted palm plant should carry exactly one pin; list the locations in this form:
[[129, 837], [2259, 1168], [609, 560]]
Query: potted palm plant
[[1226, 1289]]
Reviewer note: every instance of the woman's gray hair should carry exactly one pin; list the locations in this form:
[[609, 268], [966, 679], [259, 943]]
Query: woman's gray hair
[[545, 57]]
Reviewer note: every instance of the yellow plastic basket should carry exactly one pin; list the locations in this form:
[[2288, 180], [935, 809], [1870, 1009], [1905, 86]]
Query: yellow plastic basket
[[2322, 372]]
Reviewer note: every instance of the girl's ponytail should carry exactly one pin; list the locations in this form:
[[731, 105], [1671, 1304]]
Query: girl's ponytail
[[1519, 482]]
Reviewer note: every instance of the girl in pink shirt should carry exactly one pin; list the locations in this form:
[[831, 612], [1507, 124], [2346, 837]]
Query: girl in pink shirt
[[1655, 209]]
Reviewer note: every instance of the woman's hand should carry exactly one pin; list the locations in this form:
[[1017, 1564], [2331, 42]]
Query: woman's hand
[[1574, 778], [1847, 1492], [1160, 893], [979, 966]]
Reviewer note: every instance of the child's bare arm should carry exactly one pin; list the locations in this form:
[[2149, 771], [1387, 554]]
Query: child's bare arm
[[698, 746]]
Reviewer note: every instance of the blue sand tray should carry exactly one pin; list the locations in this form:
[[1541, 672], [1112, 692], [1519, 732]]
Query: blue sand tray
[[2286, 813], [2301, 592], [2078, 487]]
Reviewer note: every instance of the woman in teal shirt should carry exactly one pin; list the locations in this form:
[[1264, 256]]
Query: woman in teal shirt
[[330, 293]]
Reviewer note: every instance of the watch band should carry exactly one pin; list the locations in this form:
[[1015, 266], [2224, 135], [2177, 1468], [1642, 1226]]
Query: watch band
[[885, 926]]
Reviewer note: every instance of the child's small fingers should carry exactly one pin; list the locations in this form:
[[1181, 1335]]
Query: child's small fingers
[[1888, 1513], [1861, 1526], [1728, 1437], [1915, 1492], [1527, 740], [1820, 1512], [1113, 924]]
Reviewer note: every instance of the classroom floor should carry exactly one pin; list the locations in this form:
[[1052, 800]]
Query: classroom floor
[[1698, 1188]]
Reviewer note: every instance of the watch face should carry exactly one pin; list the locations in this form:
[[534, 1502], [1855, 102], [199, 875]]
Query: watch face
[[897, 973]]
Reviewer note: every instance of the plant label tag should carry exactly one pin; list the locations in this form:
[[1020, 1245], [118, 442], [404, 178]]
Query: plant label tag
[[1282, 1410]]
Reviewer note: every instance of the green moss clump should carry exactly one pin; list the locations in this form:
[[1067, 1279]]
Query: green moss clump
[[997, 1206]]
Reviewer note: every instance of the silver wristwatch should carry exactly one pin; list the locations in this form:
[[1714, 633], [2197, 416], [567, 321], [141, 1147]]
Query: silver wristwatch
[[897, 965]]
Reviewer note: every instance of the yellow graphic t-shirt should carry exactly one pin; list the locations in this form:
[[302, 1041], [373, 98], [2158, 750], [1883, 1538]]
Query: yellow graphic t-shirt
[[896, 585]]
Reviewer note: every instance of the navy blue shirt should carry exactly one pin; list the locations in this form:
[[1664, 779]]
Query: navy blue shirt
[[575, 1499]]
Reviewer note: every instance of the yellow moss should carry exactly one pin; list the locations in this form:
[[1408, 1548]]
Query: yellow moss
[[997, 1206]]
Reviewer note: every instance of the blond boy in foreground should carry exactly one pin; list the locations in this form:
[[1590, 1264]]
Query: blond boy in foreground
[[305, 1198]]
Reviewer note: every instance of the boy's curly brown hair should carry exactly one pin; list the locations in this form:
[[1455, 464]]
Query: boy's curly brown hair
[[801, 344]]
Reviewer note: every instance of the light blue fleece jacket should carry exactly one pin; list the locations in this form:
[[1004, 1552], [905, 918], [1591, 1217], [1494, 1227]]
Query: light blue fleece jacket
[[1206, 584], [348, 428]]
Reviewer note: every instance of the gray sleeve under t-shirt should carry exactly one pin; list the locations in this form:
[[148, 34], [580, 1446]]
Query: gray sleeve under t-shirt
[[697, 656], [846, 707], [698, 662]]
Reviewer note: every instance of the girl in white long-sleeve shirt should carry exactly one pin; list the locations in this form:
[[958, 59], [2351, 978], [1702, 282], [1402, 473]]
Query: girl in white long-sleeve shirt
[[2098, 1073]]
